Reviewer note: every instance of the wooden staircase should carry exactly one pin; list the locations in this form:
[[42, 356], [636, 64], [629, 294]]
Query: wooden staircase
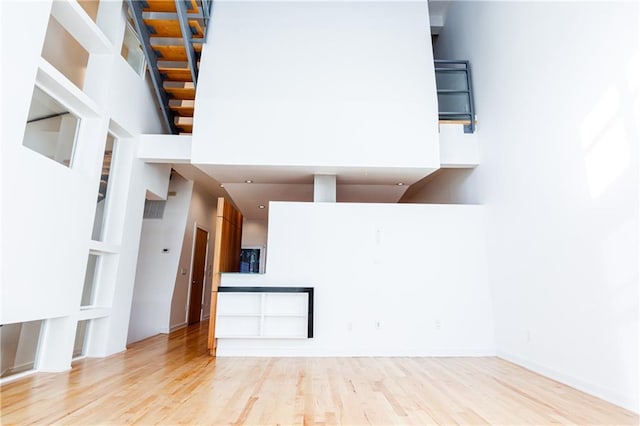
[[172, 33]]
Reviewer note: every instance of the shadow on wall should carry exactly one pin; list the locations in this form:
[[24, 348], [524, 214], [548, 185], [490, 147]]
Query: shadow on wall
[[19, 342], [609, 129], [445, 186]]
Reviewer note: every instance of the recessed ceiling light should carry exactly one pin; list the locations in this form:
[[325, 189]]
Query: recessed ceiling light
[[248, 181], [221, 185], [400, 183], [261, 206]]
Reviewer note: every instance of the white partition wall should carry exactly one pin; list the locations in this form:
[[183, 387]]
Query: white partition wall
[[389, 280], [334, 84], [48, 206]]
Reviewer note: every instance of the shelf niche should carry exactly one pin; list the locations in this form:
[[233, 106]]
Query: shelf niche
[[264, 313]]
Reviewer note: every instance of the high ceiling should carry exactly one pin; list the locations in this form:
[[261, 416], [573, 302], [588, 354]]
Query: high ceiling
[[370, 185]]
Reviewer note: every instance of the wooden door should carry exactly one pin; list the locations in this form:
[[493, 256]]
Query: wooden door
[[198, 275]]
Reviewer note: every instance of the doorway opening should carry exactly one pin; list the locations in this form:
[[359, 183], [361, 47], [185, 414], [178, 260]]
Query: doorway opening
[[198, 275]]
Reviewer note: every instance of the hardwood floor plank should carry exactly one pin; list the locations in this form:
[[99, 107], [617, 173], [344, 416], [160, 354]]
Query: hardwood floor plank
[[172, 380]]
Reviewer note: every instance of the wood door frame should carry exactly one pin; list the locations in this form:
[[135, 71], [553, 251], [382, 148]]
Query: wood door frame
[[207, 264]]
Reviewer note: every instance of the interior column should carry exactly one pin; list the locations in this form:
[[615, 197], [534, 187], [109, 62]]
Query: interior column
[[324, 188]]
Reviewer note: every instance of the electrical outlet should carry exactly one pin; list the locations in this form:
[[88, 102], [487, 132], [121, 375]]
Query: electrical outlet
[[378, 325], [438, 324]]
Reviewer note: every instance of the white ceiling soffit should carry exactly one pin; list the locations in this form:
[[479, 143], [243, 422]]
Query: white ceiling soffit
[[249, 197], [290, 183], [437, 14], [369, 193], [202, 179], [304, 174]]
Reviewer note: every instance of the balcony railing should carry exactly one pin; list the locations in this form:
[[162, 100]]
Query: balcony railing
[[455, 93]]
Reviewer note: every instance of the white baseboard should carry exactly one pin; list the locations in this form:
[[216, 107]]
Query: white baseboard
[[608, 395], [177, 327], [14, 377], [17, 369]]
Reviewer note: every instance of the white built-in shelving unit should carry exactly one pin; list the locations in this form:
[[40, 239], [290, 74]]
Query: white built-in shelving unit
[[262, 315]]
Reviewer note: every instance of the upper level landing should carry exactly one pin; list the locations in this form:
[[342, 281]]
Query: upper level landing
[[309, 87], [290, 90]]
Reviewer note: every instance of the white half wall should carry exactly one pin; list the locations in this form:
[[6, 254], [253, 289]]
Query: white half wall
[[559, 125], [165, 148], [457, 148], [334, 84], [389, 279]]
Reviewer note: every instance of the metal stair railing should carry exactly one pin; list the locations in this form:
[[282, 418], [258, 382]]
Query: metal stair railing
[[455, 93], [183, 14]]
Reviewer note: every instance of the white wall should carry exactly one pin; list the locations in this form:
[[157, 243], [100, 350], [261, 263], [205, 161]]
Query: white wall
[[458, 149], [62, 51], [157, 268], [317, 84], [557, 95], [19, 343], [40, 197], [162, 284], [10, 336], [254, 233], [202, 213], [109, 335], [417, 270], [48, 208], [446, 186], [165, 148]]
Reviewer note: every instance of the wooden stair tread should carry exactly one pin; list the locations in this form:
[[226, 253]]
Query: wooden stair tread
[[188, 93], [186, 128], [170, 53], [171, 28], [184, 111], [174, 53], [175, 74], [466, 122], [167, 6]]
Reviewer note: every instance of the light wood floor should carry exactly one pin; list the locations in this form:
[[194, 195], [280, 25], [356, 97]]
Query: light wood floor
[[171, 380]]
